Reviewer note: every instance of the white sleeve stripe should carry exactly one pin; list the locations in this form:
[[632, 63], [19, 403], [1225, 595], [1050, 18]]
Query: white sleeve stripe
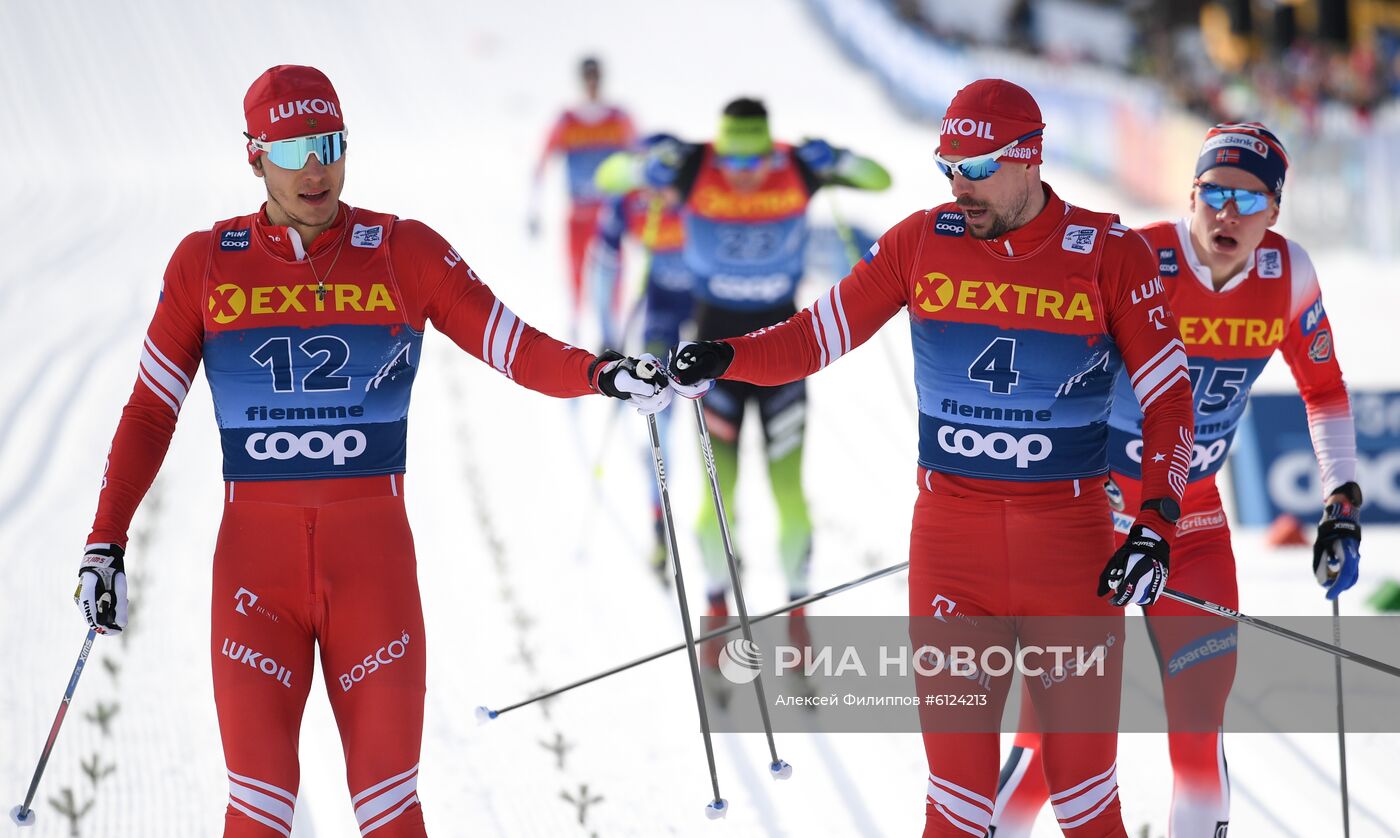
[[174, 405], [1180, 375], [514, 345], [841, 319], [1146, 381], [499, 332], [833, 334], [1173, 344], [487, 332], [174, 368], [172, 385], [823, 331]]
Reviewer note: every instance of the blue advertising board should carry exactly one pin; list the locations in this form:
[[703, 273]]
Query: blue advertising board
[[1274, 470]]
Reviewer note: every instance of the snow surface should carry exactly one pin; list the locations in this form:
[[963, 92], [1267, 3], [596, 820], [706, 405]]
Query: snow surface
[[121, 133]]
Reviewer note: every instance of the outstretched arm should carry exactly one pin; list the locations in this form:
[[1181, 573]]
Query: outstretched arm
[[440, 285], [839, 321], [824, 165]]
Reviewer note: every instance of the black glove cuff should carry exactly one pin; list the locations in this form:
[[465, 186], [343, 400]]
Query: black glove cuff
[[1350, 491], [607, 356], [726, 357]]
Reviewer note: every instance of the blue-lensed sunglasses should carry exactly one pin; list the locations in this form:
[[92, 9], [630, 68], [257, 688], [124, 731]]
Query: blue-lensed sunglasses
[[291, 154], [982, 166], [740, 162], [1247, 201]]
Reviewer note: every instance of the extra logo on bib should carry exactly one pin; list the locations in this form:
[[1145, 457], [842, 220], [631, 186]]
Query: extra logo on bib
[[1079, 239]]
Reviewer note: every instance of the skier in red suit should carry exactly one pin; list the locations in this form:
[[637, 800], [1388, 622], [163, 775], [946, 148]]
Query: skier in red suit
[[1241, 293], [584, 135], [309, 317], [1023, 309]]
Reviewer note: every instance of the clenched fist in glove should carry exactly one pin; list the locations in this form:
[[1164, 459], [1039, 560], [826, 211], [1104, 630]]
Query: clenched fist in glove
[[637, 381], [101, 593], [1337, 550], [1137, 572], [695, 365]]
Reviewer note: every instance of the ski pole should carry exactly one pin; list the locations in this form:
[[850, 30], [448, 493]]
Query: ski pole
[[484, 714], [718, 807], [1273, 628], [22, 815], [780, 769], [1341, 720]]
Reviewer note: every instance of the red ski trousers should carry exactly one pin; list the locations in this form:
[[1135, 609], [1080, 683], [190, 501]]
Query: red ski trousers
[[1015, 571], [328, 563]]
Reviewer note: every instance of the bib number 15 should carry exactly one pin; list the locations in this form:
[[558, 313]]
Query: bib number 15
[[996, 366]]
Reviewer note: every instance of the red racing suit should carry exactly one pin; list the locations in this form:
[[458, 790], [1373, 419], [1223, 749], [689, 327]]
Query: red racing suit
[[1017, 343], [585, 135], [311, 357], [1273, 305]]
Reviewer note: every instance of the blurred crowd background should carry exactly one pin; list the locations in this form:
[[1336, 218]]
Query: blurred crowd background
[[1133, 84]]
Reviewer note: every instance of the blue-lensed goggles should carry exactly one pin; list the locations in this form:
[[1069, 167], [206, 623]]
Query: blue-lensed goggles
[[291, 154], [740, 162], [982, 166], [1247, 201]]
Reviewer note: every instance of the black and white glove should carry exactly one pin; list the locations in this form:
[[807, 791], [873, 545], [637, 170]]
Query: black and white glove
[[637, 381], [695, 365], [1137, 572], [101, 593], [1337, 550]]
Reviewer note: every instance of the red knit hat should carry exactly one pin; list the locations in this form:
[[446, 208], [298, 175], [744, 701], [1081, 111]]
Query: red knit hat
[[988, 114], [291, 101]]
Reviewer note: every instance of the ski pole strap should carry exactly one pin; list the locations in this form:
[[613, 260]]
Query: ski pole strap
[[1273, 628]]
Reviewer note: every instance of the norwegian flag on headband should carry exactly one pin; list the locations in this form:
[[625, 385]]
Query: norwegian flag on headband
[[1248, 146]]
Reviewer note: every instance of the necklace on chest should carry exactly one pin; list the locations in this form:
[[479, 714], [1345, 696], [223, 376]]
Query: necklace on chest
[[311, 262]]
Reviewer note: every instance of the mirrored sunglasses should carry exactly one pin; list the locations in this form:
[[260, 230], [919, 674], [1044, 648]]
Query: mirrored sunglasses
[[1247, 201], [982, 166], [291, 154]]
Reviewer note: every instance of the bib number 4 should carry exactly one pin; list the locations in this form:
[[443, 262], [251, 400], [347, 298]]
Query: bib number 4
[[996, 366]]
